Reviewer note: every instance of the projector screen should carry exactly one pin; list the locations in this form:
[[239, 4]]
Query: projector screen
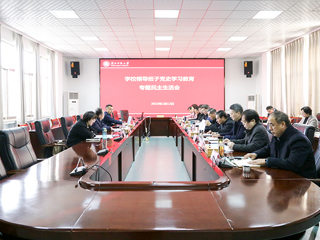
[[161, 86]]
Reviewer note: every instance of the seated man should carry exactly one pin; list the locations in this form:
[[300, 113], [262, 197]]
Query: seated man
[[308, 118], [270, 110], [238, 130], [200, 114], [211, 122], [108, 120], [256, 134], [204, 112], [289, 149], [226, 123], [98, 125]]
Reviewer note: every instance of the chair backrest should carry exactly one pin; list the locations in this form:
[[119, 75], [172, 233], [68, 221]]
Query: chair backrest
[[44, 133], [318, 116], [55, 122], [115, 115], [16, 149], [308, 130], [74, 117], [317, 159], [3, 172], [66, 124], [124, 115], [24, 125], [33, 127]]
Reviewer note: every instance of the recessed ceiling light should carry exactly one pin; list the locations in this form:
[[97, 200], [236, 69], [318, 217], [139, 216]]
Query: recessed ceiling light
[[90, 38], [166, 13], [237, 39], [164, 38], [101, 49], [64, 14], [267, 14], [223, 49], [162, 49]]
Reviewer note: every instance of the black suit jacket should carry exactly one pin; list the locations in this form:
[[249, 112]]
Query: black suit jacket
[[256, 138], [79, 132], [292, 151], [226, 126]]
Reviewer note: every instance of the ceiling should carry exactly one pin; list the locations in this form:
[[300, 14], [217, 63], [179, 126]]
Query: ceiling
[[128, 27]]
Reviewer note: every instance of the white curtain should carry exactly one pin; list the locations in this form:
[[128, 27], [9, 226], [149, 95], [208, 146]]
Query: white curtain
[[38, 82], [20, 74], [294, 77], [53, 81], [276, 79], [1, 101], [314, 72]]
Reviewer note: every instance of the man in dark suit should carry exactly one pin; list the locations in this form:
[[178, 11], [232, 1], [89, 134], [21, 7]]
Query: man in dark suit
[[211, 122], [238, 130], [226, 123], [289, 149], [98, 125], [108, 120]]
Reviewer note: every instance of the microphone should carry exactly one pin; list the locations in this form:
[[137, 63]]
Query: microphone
[[79, 170]]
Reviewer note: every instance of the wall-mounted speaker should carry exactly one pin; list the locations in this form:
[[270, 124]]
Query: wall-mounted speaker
[[75, 69], [248, 69]]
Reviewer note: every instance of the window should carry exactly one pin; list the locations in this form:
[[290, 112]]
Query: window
[[29, 85], [46, 93], [10, 84]]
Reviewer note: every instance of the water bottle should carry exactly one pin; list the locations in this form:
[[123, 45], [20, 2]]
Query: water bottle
[[104, 134]]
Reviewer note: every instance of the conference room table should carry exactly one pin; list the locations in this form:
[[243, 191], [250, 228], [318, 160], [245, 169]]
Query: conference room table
[[45, 202]]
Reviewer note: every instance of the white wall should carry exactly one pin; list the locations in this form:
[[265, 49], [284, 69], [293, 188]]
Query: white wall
[[237, 85], [87, 83]]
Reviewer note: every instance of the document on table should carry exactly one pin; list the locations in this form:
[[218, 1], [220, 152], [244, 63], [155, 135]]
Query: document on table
[[244, 162]]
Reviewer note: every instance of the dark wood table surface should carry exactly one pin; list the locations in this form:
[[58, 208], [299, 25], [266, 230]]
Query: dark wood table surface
[[45, 202]]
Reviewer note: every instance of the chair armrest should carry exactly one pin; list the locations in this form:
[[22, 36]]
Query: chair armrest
[[11, 172]]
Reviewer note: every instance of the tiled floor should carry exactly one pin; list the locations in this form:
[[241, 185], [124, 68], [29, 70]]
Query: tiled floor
[[158, 160]]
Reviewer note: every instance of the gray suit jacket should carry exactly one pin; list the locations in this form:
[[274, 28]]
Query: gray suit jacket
[[312, 121], [255, 138]]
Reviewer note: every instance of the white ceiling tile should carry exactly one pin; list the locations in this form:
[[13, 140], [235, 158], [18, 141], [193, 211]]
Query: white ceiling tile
[[243, 14], [119, 22], [102, 28], [223, 34], [207, 29], [116, 13], [106, 5], [223, 5], [83, 4], [235, 22], [218, 14], [144, 29], [117, 29], [55, 5], [167, 4], [165, 28], [189, 22], [251, 5], [165, 22], [72, 22], [186, 28], [142, 21], [95, 22], [139, 4], [90, 14], [141, 13], [305, 6], [190, 14], [196, 4], [212, 22], [79, 28]]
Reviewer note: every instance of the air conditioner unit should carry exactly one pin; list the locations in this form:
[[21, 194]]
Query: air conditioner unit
[[252, 101], [71, 103]]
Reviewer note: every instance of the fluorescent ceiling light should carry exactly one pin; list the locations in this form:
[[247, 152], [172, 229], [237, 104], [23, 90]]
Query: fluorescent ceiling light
[[101, 49], [162, 49], [223, 49], [164, 38], [90, 38], [267, 14], [166, 13], [237, 39], [64, 14]]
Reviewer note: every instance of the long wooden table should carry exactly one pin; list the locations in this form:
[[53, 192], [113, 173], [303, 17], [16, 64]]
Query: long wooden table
[[45, 202]]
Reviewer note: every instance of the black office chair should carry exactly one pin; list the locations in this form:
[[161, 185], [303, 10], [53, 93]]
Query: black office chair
[[3, 172], [16, 149], [66, 124], [45, 136], [306, 129], [124, 115], [78, 117]]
